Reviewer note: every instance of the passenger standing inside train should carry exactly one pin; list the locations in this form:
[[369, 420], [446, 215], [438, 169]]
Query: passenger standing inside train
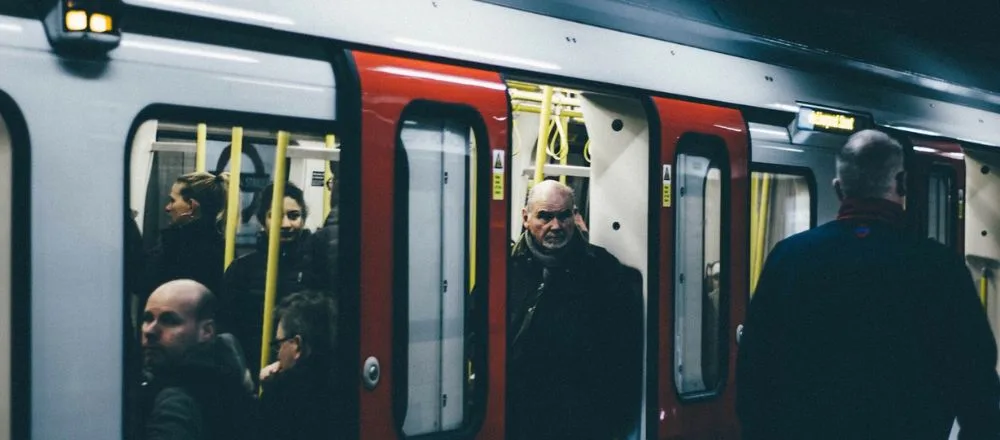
[[859, 330], [196, 384], [192, 246], [245, 280], [574, 329], [326, 243], [300, 399]]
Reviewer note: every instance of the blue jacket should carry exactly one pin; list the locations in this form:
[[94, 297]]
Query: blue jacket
[[859, 330]]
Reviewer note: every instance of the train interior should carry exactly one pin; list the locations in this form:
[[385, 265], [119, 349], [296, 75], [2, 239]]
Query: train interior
[[599, 145]]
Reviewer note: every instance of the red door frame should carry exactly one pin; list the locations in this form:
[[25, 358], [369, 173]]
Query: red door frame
[[948, 154], [716, 415], [388, 85]]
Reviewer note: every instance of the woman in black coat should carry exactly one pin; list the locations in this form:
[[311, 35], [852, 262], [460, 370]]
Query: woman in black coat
[[192, 245], [242, 311]]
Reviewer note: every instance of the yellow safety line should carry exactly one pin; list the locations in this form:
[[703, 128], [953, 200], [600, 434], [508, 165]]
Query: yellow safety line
[[233, 197], [273, 243], [199, 152]]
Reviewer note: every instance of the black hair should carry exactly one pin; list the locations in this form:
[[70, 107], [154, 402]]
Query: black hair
[[312, 315], [265, 197]]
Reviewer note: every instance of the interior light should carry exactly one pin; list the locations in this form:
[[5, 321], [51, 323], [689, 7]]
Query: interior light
[[76, 20], [100, 23], [924, 149]]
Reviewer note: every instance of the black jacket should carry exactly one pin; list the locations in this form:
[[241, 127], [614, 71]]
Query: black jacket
[[859, 330], [575, 350], [194, 251], [325, 251], [242, 305], [302, 404], [208, 396]]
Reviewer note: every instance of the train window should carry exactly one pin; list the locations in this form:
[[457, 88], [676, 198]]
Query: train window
[[5, 277], [782, 204], [940, 211], [437, 168], [700, 300], [177, 228]]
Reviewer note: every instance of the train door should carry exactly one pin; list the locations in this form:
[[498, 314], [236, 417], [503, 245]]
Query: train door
[[703, 222], [598, 144], [434, 227], [6, 286], [789, 187], [935, 202]]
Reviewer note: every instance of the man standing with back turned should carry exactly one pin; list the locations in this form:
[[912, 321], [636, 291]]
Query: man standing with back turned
[[859, 330], [574, 329]]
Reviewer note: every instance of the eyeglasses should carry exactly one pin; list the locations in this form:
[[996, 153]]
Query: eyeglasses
[[276, 344]]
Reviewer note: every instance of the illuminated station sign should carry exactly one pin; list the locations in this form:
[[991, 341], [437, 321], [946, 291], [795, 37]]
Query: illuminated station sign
[[831, 121]]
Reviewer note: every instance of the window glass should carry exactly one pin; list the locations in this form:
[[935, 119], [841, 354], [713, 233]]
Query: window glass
[[780, 206], [440, 163], [699, 299], [176, 228], [939, 211]]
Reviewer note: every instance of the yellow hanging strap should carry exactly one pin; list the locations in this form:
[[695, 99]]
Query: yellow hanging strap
[[563, 144], [273, 246], [331, 142], [543, 134], [586, 151], [233, 198], [199, 152]]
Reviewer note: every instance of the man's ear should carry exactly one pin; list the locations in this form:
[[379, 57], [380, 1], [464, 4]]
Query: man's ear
[[901, 184], [300, 348], [206, 330], [838, 189], [524, 217]]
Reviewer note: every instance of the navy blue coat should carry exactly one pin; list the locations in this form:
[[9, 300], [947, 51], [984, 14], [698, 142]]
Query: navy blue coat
[[859, 330]]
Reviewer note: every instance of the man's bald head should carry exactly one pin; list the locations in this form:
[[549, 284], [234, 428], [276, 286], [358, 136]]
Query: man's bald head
[[179, 315], [870, 165], [549, 214]]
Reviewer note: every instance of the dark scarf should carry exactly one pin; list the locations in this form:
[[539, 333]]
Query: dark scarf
[[872, 209], [550, 258]]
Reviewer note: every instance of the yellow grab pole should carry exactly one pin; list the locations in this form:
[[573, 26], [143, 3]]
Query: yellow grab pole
[[765, 192], [543, 134], [331, 141], [473, 190], [563, 144], [199, 152], [983, 285], [754, 213], [233, 198], [273, 243]]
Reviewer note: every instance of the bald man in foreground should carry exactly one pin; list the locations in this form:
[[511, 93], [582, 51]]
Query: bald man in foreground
[[196, 384], [860, 330], [574, 329]]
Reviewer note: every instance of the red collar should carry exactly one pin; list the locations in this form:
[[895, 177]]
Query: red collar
[[872, 209]]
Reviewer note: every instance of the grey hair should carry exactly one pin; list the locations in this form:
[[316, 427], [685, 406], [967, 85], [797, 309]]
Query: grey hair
[[868, 163], [542, 190]]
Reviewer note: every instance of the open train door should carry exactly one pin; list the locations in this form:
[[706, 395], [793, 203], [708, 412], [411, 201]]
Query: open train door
[[433, 249], [704, 222], [936, 200]]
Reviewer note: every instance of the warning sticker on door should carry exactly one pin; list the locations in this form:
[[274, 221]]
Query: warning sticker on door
[[666, 185], [498, 167]]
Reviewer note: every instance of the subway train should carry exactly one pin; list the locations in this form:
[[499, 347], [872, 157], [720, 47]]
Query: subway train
[[420, 126]]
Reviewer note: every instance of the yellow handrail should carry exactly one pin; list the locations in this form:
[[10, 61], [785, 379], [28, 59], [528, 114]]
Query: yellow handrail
[[273, 243], [754, 213], [331, 142], [543, 133], [473, 191], [983, 286], [765, 192], [586, 151], [199, 152], [233, 197]]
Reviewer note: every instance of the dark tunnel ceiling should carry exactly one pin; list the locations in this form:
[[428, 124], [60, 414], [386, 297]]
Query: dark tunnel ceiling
[[952, 40]]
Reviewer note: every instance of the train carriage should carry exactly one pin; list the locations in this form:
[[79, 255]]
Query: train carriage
[[419, 127]]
